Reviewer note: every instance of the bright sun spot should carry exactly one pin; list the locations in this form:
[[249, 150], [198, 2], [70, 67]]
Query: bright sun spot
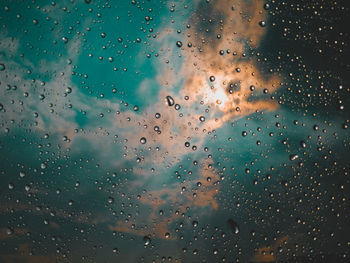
[[217, 95]]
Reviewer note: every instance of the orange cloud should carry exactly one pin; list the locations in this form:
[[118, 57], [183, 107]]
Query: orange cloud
[[221, 82], [158, 225], [268, 254]]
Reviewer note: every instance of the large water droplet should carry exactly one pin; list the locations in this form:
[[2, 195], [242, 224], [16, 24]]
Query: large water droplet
[[233, 225], [143, 140], [170, 100]]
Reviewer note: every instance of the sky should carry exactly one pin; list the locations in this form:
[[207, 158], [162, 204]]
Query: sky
[[184, 131]]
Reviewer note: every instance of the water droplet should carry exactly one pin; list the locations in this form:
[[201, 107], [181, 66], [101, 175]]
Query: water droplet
[[22, 174], [110, 200], [267, 6], [170, 100], [262, 23], [2, 67], [65, 40], [179, 43], [293, 157], [146, 240], [202, 118], [143, 140], [233, 225], [9, 230]]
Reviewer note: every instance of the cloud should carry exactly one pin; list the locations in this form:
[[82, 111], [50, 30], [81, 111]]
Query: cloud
[[268, 254], [158, 225], [25, 255], [206, 83]]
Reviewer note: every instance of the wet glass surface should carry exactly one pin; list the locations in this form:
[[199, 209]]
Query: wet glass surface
[[174, 131]]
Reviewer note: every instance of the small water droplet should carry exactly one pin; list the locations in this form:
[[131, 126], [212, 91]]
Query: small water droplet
[[293, 157], [110, 200], [65, 40], [146, 240]]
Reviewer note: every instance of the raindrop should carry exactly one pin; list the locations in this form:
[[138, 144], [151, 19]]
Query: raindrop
[[65, 40], [262, 23], [267, 6], [110, 200], [170, 100], [293, 157], [233, 225], [9, 231], [2, 67], [143, 140], [179, 43], [146, 240]]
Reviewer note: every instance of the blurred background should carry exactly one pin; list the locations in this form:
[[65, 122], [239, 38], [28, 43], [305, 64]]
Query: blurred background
[[174, 131]]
